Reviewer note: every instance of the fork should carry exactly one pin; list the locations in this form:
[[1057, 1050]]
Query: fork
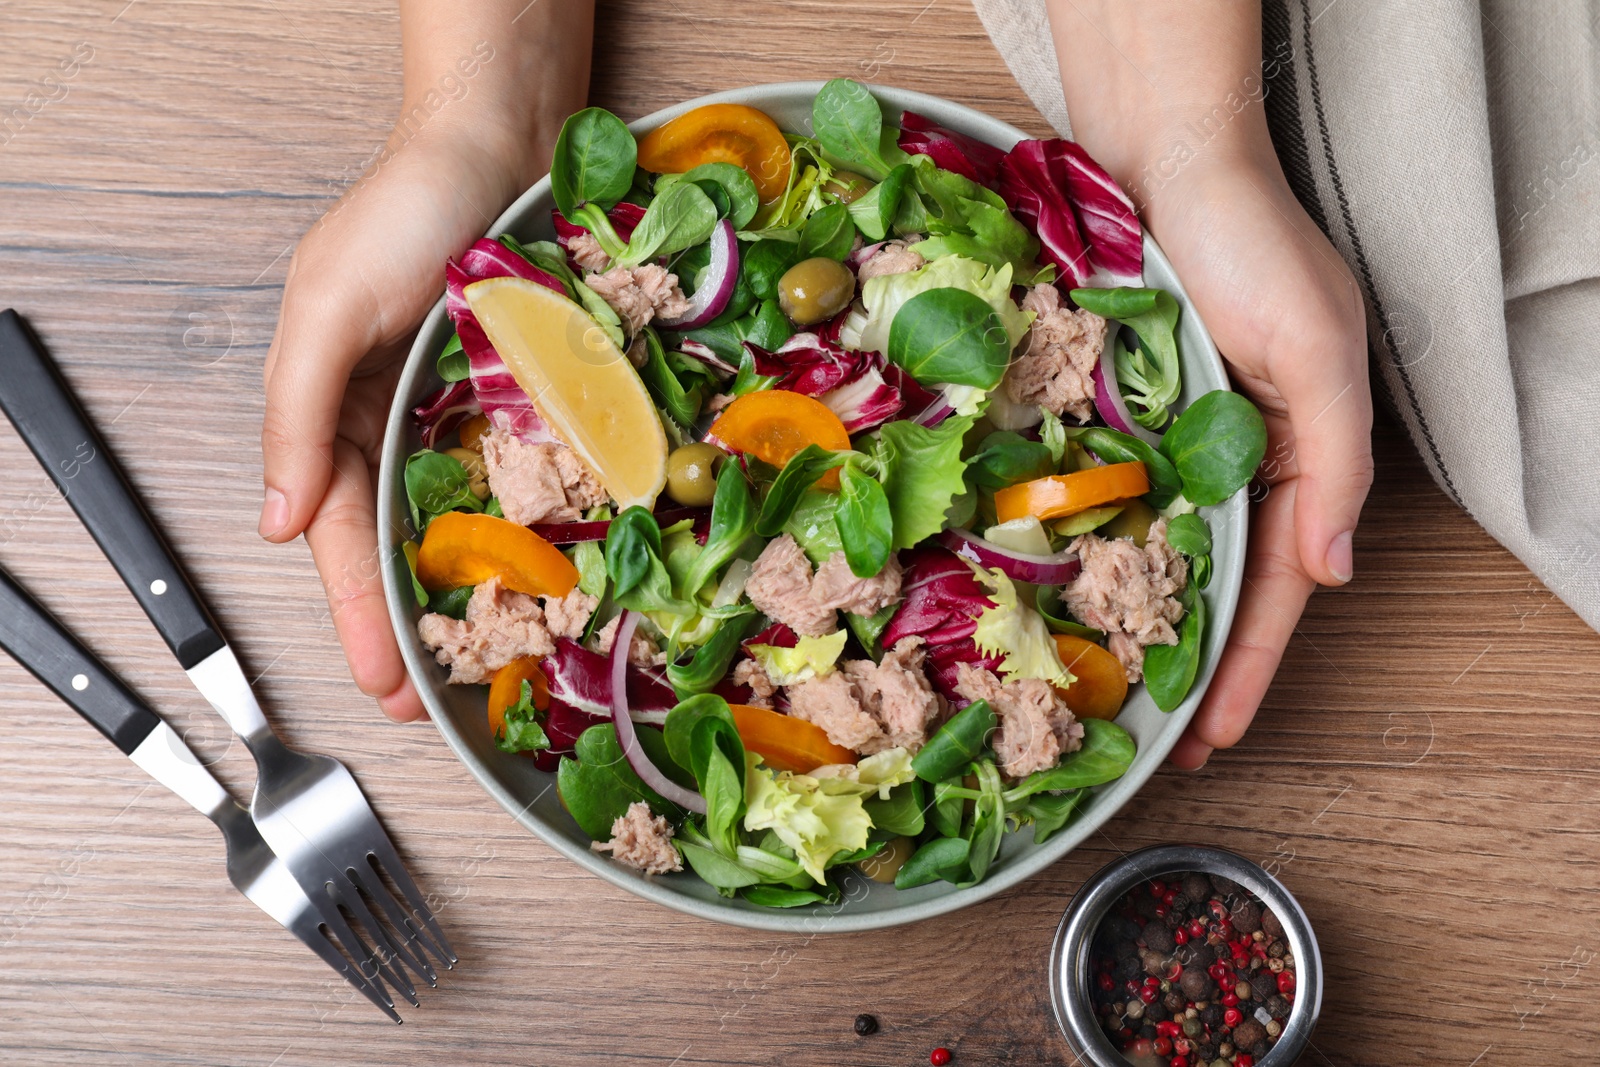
[[39, 642], [308, 808]]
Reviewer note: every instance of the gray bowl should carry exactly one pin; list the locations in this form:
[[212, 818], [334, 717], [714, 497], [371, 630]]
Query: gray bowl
[[527, 793]]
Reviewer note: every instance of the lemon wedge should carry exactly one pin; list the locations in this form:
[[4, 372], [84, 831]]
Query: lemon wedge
[[580, 382]]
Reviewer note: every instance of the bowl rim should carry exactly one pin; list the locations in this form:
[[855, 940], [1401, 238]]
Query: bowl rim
[[1224, 589]]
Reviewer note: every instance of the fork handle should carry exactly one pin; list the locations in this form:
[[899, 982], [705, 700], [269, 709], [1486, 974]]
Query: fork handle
[[47, 416], [41, 644]]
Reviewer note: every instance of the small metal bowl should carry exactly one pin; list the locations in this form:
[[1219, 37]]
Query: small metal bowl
[[1070, 956]]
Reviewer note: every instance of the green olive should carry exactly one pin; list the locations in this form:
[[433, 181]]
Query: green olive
[[884, 864], [815, 290], [847, 187], [1133, 521], [691, 474]]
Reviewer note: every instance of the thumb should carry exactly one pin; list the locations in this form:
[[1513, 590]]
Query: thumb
[[322, 334], [1330, 417]]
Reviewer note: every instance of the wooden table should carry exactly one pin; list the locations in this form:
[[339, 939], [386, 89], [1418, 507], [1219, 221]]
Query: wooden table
[[1422, 775]]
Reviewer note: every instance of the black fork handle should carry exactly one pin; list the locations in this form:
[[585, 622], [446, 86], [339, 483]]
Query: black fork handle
[[41, 406], [40, 643]]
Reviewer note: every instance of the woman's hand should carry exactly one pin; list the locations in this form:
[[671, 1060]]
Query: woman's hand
[[1140, 80], [1287, 317], [365, 275]]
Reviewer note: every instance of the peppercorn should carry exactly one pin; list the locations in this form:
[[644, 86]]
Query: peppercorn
[[1198, 954], [1278, 1006], [1247, 1033], [1277, 950], [1274, 1028], [1275, 966], [1192, 1028], [1124, 950], [1154, 962], [1246, 916], [1156, 1013], [1146, 905], [1263, 985], [1286, 982], [1195, 886], [1197, 985], [1130, 968], [1135, 1009], [1270, 923], [1211, 1015], [939, 1057], [1224, 886], [1179, 904], [866, 1024], [1121, 928], [1173, 1001], [1158, 937]]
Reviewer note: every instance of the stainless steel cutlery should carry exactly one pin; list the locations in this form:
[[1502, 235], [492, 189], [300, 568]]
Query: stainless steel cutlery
[[311, 847]]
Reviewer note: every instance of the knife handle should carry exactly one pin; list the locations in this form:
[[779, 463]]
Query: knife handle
[[37, 641], [47, 416]]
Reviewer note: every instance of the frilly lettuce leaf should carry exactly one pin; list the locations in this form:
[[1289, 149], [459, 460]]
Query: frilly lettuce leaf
[[814, 823], [811, 657], [883, 295], [1016, 632], [873, 774]]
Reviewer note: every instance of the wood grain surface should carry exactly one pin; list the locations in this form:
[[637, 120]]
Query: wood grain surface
[[1422, 774]]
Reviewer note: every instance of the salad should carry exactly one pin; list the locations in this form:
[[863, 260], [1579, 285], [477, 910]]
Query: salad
[[811, 502]]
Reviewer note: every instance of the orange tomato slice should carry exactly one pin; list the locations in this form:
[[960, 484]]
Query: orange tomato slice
[[774, 424], [465, 549], [721, 133], [1101, 684], [1060, 495], [786, 744], [506, 689]]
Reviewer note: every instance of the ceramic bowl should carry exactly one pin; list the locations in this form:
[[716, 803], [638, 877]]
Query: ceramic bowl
[[528, 794]]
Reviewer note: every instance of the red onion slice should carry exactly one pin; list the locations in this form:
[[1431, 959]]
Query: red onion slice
[[628, 737], [716, 287], [571, 533], [1108, 395], [1057, 569]]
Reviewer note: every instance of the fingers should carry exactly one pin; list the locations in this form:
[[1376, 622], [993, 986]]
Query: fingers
[[1330, 412], [324, 330], [1274, 594], [343, 538]]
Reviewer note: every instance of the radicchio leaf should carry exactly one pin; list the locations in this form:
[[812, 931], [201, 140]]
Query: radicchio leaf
[[504, 401], [443, 411], [940, 602], [582, 679], [952, 151], [1085, 223], [852, 384]]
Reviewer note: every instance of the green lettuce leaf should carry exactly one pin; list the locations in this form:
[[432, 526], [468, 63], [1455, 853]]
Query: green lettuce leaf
[[922, 473], [884, 295], [875, 774], [811, 657], [815, 824], [1018, 633]]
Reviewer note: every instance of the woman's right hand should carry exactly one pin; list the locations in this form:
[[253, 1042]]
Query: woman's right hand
[[365, 275]]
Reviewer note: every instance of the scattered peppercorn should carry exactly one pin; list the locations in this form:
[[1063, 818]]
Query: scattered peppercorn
[[866, 1024], [939, 1057], [1193, 969]]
